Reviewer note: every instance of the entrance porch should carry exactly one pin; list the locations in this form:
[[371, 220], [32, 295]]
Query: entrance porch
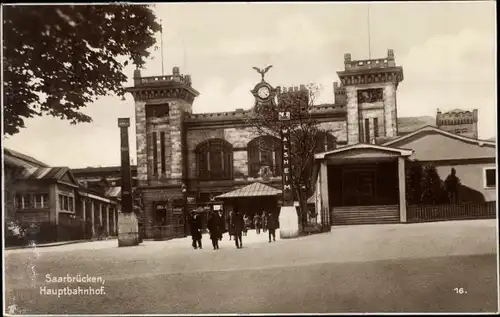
[[363, 184], [252, 199]]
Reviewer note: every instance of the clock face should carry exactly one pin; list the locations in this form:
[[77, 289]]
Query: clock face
[[263, 92]]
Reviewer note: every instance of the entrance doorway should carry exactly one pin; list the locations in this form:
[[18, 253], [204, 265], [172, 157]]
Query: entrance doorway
[[358, 187]]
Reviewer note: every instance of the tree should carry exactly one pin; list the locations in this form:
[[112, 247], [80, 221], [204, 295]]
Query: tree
[[304, 132], [414, 174], [432, 186], [57, 59]]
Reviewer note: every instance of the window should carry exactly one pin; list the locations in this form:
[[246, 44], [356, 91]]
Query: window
[[41, 201], [264, 156], [490, 177], [155, 154], [375, 127], [23, 201], [162, 152], [66, 203], [215, 160]]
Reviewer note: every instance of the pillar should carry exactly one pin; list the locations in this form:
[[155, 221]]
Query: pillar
[[100, 214], [92, 217], [352, 115], [323, 178], [402, 189], [390, 120], [84, 215], [107, 220], [113, 216]]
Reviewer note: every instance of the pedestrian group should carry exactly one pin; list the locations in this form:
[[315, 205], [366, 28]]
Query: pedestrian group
[[235, 224]]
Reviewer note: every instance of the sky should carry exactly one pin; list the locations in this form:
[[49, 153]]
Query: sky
[[447, 51]]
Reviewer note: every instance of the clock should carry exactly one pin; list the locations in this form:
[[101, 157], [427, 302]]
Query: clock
[[263, 92]]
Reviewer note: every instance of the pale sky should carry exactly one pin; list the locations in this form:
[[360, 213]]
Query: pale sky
[[447, 51]]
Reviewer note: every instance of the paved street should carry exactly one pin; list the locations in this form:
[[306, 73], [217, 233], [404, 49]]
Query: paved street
[[384, 268]]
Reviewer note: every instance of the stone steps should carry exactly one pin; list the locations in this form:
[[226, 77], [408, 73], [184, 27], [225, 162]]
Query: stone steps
[[365, 215]]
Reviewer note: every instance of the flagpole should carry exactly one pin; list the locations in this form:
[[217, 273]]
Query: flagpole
[[161, 47]]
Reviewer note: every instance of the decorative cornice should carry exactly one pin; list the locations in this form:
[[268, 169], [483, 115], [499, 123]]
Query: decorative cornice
[[371, 76], [172, 91]]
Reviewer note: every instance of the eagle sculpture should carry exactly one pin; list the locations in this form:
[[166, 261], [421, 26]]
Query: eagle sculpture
[[262, 72]]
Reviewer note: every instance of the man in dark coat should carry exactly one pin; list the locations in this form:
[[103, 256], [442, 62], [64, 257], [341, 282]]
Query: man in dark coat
[[215, 229], [452, 184], [195, 226], [237, 225], [272, 225]]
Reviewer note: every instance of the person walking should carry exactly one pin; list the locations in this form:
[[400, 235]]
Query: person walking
[[222, 224], [213, 225], [230, 224], [257, 223], [195, 226], [272, 225], [246, 224], [264, 221], [237, 228]]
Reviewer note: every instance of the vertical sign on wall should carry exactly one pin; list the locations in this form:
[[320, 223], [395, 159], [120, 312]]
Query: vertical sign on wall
[[124, 124], [284, 118]]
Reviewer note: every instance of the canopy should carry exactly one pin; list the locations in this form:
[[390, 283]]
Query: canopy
[[253, 190]]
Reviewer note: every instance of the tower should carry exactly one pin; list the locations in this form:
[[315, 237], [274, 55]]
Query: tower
[[463, 122], [160, 105], [370, 88]]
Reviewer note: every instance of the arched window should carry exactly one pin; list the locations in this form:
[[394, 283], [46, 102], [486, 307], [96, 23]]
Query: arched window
[[325, 142], [215, 160], [264, 157]]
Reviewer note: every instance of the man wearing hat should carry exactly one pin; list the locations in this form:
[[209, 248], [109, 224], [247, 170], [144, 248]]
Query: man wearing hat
[[195, 226]]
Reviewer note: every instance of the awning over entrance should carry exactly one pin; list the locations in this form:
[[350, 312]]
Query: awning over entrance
[[253, 190], [363, 151]]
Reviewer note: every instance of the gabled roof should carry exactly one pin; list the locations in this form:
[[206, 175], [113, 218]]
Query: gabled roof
[[430, 128], [364, 146], [253, 190], [48, 173], [21, 160]]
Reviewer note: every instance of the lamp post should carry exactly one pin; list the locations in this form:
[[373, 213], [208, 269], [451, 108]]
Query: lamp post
[[184, 207]]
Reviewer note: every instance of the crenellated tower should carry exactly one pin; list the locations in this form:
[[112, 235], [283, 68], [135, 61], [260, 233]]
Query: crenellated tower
[[160, 105], [458, 121], [370, 95]]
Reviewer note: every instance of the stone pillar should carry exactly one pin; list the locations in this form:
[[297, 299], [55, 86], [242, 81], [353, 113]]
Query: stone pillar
[[128, 225], [402, 189], [92, 216], [352, 115], [107, 220], [141, 140], [176, 140], [390, 120]]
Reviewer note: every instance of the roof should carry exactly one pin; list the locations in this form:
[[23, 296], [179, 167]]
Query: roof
[[363, 146], [253, 190], [46, 173], [19, 159], [105, 169], [430, 128], [410, 124]]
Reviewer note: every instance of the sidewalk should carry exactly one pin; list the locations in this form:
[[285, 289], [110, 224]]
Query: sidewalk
[[55, 244]]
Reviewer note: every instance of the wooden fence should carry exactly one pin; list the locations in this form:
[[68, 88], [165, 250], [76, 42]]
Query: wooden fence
[[424, 213]]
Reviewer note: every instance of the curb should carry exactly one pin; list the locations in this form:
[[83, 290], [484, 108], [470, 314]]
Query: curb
[[55, 244]]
